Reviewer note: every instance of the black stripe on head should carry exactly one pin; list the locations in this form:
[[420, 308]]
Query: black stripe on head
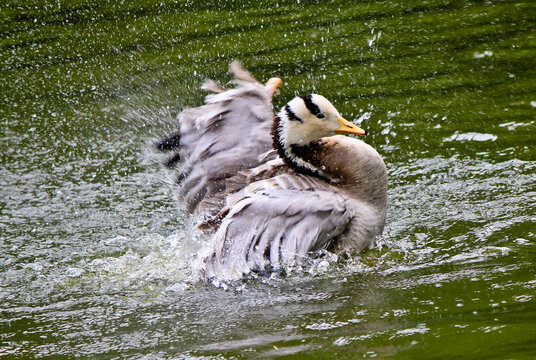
[[291, 115], [311, 106]]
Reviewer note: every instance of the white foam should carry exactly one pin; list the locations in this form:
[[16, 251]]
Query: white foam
[[471, 136]]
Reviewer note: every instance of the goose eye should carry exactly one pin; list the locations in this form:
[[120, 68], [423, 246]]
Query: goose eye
[[320, 116]]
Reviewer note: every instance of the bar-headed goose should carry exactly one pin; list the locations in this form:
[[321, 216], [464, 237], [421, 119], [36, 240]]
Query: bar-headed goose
[[275, 191]]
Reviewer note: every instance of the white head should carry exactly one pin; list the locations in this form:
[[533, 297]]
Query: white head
[[302, 121], [311, 117]]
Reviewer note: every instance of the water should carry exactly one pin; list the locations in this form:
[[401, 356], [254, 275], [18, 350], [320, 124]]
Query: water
[[96, 259]]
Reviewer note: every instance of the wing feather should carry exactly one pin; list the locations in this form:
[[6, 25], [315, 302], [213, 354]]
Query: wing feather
[[227, 134], [271, 223]]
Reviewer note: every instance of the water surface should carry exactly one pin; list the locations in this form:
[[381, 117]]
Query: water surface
[[96, 258]]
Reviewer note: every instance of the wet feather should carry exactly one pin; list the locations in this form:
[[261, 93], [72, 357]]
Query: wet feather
[[274, 191]]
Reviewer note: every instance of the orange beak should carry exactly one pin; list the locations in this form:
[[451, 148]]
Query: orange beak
[[346, 127]]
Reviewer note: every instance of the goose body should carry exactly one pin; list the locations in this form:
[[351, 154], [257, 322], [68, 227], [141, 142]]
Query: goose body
[[274, 190]]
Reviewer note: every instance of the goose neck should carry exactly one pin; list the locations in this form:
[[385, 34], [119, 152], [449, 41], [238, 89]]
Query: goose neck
[[302, 157]]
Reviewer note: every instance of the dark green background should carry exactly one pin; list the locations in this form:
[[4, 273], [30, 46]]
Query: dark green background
[[96, 259]]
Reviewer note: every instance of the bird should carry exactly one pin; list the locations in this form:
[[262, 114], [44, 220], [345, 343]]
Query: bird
[[273, 190]]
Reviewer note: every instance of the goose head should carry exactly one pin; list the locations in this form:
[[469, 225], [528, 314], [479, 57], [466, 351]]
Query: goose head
[[301, 122], [310, 117]]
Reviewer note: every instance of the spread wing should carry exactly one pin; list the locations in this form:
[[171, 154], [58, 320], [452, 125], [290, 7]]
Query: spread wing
[[217, 140], [273, 222]]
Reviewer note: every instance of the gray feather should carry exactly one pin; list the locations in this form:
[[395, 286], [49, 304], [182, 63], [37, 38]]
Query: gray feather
[[217, 140], [272, 227], [265, 212]]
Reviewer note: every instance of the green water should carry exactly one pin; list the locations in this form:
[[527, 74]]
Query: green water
[[96, 258]]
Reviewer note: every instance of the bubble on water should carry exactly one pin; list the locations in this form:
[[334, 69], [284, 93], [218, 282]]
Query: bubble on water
[[470, 136], [483, 54]]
